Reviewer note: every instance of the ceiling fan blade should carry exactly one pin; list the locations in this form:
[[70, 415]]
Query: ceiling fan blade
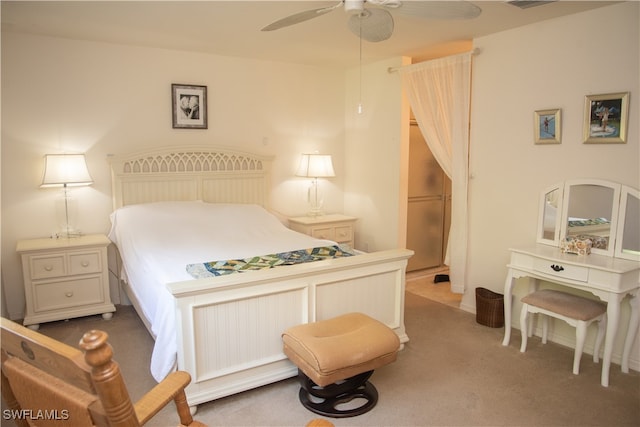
[[439, 9], [300, 17], [373, 25]]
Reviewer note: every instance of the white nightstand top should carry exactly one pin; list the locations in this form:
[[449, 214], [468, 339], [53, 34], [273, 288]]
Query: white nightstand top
[[321, 219], [62, 243]]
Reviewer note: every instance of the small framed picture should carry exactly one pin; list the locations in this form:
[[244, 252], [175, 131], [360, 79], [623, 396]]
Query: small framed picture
[[547, 127], [605, 118], [189, 106]]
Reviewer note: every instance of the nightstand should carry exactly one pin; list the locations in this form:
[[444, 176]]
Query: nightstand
[[339, 228], [65, 278]]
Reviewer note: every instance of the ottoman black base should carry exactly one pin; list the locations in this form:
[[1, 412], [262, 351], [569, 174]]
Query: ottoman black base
[[326, 400]]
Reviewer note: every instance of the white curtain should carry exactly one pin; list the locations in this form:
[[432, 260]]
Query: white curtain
[[439, 92]]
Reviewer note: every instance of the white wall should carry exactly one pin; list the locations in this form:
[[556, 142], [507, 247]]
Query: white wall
[[376, 148], [553, 64], [61, 95]]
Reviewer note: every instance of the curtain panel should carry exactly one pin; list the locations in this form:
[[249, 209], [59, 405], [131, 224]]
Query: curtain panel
[[439, 93]]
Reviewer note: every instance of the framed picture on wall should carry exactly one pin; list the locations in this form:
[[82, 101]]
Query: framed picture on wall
[[547, 127], [605, 118], [189, 106]]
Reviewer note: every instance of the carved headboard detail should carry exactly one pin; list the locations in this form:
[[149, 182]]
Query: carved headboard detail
[[207, 173]]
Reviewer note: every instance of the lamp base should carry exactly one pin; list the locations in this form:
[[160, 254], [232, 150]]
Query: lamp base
[[315, 212], [315, 199], [71, 234], [66, 215]]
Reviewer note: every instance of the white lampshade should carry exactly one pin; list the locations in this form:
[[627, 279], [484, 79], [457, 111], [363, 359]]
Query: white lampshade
[[316, 166], [65, 170]]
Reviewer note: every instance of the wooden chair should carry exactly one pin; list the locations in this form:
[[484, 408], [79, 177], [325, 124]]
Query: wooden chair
[[48, 383]]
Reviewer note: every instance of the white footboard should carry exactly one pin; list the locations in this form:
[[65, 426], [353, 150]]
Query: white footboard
[[229, 327]]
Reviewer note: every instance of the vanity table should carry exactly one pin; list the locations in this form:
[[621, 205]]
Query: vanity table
[[610, 279], [610, 272]]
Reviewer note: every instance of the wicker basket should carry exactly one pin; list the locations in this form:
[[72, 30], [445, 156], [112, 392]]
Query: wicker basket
[[489, 308]]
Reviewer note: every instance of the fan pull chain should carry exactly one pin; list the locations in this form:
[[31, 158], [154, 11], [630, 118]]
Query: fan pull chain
[[360, 66]]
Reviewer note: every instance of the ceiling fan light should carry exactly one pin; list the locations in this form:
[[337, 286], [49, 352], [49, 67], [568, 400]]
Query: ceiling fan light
[[353, 7], [372, 25]]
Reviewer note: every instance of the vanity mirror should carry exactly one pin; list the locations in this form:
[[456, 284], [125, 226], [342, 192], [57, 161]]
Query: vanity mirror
[[603, 211], [628, 236], [549, 215], [590, 210]]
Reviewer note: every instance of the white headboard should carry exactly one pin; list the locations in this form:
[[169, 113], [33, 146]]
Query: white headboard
[[208, 173]]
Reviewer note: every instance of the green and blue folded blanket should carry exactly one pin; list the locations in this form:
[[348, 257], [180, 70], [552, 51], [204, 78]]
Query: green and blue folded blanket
[[262, 262]]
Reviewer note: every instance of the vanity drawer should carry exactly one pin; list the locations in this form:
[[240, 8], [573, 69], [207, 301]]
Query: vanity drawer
[[566, 271], [68, 293]]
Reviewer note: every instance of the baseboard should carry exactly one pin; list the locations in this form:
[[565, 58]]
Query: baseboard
[[570, 342]]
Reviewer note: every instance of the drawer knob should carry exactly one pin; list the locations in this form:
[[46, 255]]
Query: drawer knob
[[557, 267], [85, 263], [48, 267], [68, 294]]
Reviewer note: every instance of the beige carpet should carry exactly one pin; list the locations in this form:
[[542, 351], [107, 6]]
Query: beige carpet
[[453, 372]]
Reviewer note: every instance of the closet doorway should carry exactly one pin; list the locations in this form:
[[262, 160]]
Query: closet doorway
[[428, 206]]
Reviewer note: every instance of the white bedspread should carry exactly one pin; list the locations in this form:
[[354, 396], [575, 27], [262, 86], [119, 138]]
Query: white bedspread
[[157, 240]]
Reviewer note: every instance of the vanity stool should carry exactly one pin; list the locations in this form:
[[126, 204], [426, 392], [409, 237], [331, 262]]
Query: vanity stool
[[575, 310], [336, 357]]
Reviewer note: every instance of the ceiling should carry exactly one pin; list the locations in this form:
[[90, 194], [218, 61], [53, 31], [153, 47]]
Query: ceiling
[[232, 28]]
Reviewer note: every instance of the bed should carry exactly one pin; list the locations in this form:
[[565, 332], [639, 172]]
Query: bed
[[225, 329]]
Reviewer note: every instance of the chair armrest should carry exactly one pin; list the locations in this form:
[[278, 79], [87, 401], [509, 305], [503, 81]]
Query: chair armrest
[[163, 393]]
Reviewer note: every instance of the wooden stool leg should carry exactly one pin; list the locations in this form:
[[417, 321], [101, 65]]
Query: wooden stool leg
[[532, 320], [581, 334], [545, 328], [524, 314], [602, 327]]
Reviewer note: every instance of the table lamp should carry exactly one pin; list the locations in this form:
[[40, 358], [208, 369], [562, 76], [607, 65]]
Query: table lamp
[[65, 170], [315, 166]]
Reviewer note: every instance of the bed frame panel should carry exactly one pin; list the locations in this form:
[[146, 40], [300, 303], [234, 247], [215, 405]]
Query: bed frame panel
[[229, 331]]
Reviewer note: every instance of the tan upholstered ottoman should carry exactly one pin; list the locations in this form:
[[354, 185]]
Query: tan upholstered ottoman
[[336, 357]]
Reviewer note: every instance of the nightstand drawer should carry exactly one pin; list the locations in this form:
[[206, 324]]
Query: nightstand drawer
[[68, 293], [85, 262], [339, 228], [46, 266], [323, 233], [344, 234]]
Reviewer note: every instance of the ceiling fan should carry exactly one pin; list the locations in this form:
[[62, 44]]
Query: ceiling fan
[[375, 23]]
